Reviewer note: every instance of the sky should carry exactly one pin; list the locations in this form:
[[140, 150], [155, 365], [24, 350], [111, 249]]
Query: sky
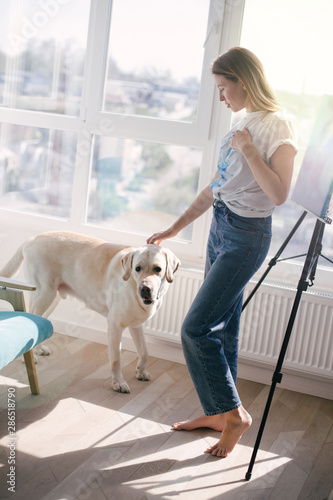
[[293, 38], [154, 36]]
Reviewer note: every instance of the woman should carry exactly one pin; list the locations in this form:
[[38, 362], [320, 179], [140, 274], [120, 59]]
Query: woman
[[254, 174]]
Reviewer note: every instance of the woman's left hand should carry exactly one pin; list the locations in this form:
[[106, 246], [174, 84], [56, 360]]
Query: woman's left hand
[[241, 139]]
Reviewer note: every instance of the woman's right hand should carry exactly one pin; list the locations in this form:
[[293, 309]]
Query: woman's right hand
[[201, 204], [156, 238]]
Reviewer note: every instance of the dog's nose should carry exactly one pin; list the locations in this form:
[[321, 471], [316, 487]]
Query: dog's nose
[[145, 290]]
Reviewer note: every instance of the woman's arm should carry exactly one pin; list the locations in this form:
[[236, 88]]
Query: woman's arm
[[274, 180], [200, 205]]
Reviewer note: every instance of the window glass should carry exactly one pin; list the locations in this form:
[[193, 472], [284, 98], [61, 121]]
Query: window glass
[[42, 50], [139, 186], [155, 57], [36, 170], [297, 68]]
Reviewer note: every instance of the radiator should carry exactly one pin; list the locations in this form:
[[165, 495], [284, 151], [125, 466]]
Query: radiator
[[263, 323]]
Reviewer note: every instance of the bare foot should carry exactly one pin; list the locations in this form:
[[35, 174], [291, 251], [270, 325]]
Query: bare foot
[[216, 422], [236, 423]]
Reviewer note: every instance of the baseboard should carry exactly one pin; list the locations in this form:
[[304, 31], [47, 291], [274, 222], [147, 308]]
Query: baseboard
[[256, 371], [159, 348], [293, 380]]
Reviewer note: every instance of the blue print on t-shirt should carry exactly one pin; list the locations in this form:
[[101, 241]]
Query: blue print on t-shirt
[[223, 164]]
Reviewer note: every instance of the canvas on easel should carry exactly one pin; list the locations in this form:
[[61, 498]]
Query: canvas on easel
[[314, 185]]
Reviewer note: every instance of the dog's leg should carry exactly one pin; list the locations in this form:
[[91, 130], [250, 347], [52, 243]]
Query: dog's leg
[[114, 334], [52, 306], [140, 344], [41, 301]]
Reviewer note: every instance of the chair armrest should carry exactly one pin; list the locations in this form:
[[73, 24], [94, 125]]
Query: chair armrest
[[7, 282], [12, 292]]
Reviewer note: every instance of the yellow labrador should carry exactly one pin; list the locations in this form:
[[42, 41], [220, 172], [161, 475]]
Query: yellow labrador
[[124, 284]]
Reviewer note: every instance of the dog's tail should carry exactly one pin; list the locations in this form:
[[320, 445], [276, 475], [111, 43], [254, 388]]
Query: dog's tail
[[13, 264]]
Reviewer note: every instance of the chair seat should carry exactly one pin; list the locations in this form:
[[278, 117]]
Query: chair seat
[[20, 332]]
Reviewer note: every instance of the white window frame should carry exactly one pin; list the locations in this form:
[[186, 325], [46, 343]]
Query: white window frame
[[223, 31], [141, 127], [224, 18]]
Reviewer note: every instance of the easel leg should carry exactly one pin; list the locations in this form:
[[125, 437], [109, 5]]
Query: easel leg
[[308, 269]]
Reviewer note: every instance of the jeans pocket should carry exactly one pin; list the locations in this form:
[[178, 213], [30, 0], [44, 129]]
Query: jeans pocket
[[239, 223]]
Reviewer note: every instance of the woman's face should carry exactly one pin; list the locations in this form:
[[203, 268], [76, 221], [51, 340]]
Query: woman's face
[[233, 94]]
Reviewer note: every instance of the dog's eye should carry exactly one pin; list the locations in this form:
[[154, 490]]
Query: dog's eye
[[138, 269], [157, 269]]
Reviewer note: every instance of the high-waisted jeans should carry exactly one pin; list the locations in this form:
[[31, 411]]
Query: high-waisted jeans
[[237, 246]]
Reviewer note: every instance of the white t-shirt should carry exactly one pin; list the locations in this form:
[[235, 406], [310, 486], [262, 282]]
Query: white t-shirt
[[236, 185]]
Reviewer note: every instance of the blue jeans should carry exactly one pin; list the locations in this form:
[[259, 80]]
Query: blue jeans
[[237, 246]]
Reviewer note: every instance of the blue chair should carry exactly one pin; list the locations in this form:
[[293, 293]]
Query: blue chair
[[20, 331]]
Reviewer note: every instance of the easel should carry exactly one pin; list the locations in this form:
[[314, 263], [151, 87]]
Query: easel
[[307, 279]]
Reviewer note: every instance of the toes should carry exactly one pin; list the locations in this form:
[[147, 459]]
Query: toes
[[216, 451], [177, 426], [121, 387], [43, 350], [211, 450], [142, 375], [220, 453]]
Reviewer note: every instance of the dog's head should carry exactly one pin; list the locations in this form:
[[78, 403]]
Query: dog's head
[[152, 268]]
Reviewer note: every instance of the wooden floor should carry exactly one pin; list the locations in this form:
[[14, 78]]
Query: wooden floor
[[80, 440]]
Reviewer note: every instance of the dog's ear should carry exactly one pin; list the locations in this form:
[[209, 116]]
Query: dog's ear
[[172, 264], [126, 262]]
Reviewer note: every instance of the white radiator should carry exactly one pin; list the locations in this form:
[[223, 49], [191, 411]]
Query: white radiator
[[263, 323]]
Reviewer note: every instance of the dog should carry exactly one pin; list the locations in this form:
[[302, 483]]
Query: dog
[[124, 284]]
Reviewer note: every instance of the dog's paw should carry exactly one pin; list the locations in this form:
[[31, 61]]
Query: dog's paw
[[142, 374], [43, 350], [121, 387], [35, 359]]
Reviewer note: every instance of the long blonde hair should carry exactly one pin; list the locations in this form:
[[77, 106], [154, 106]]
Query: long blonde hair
[[241, 64]]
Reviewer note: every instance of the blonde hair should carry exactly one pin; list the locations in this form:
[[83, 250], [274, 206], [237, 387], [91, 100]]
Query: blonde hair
[[241, 64]]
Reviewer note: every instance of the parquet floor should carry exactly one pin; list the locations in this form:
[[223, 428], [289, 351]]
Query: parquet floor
[[80, 440]]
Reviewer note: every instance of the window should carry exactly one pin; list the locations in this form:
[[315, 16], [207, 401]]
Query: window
[[140, 185], [37, 167], [110, 121], [42, 54], [149, 114], [153, 69], [108, 130]]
